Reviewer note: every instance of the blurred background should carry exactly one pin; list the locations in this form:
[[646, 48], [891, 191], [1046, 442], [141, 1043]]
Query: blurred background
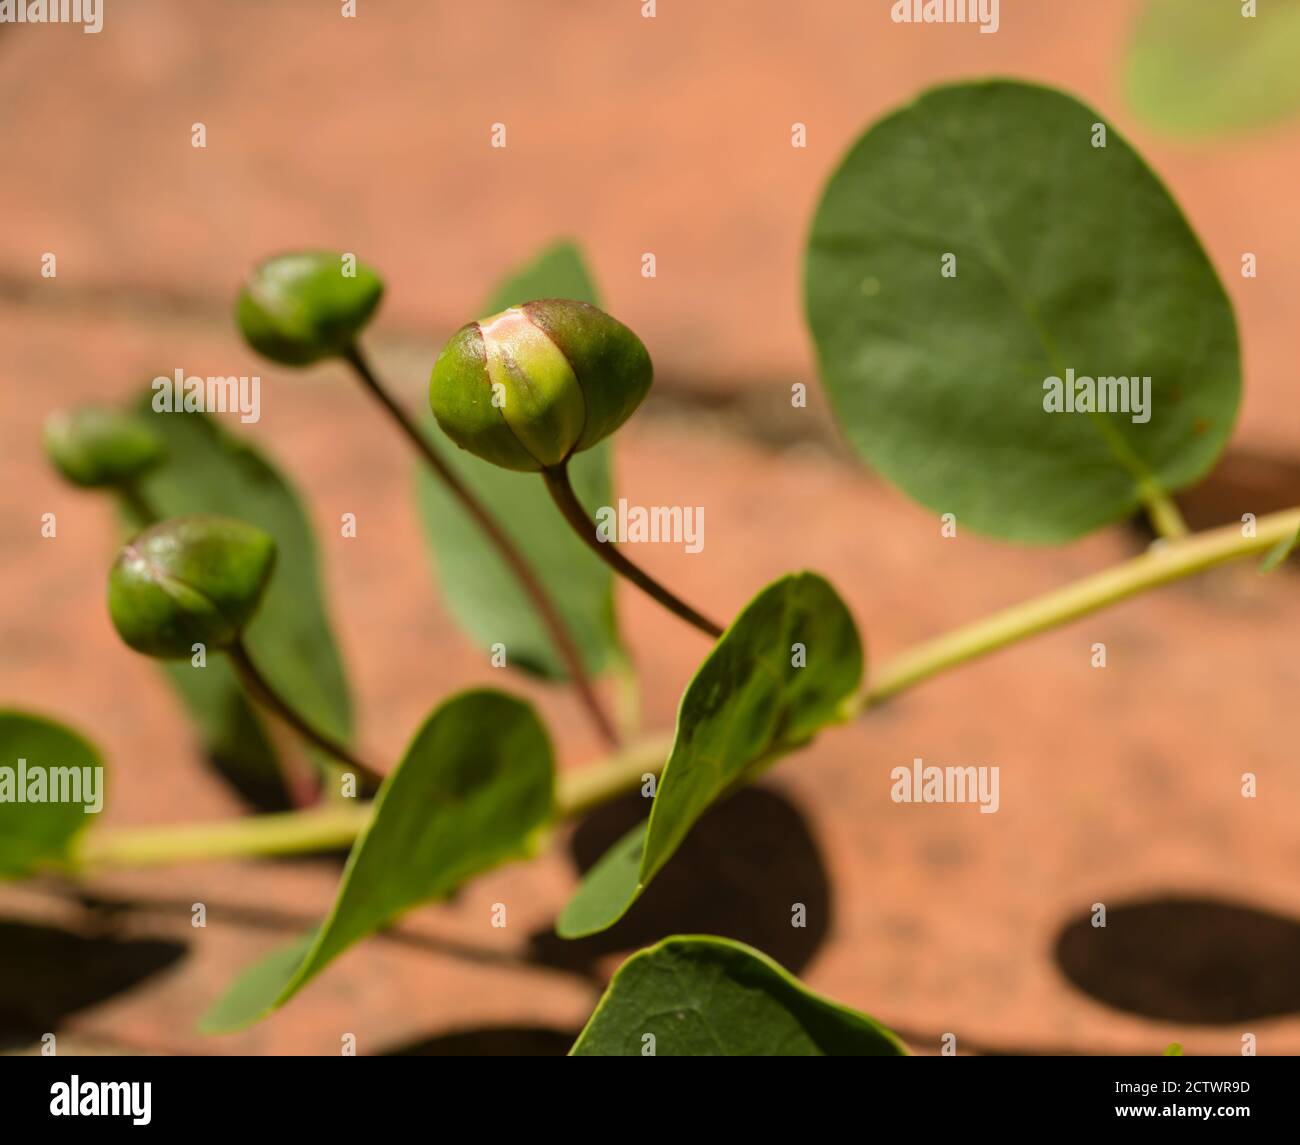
[[630, 134]]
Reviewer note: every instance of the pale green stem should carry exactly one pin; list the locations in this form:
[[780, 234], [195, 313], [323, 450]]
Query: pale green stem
[[284, 833], [328, 827], [590, 787], [1165, 562]]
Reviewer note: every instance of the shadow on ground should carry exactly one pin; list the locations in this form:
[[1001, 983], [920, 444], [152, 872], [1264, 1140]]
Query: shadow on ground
[[738, 875], [47, 973], [1183, 959]]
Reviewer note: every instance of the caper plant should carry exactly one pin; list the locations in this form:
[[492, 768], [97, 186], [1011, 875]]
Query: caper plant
[[953, 346]]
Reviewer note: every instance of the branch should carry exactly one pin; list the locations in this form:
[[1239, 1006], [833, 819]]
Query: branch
[[331, 827], [1163, 563]]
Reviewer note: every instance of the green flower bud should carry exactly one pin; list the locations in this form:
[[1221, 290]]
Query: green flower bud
[[529, 387], [96, 448], [189, 580], [299, 308]]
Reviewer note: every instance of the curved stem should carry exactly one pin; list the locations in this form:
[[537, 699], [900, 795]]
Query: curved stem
[[1165, 562], [261, 687], [561, 490], [546, 610]]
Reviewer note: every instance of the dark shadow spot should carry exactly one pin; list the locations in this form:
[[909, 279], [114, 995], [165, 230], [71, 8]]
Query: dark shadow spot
[[1186, 960], [492, 1041], [738, 874], [47, 973], [259, 792]]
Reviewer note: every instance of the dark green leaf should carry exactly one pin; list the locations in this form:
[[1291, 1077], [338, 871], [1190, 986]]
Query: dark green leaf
[[210, 471], [1068, 257], [711, 997], [1200, 66], [471, 791], [38, 834], [480, 590], [748, 704]]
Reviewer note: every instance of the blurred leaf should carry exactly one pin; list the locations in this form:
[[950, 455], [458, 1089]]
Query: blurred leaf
[[608, 890], [473, 787], [480, 590], [260, 989], [35, 835], [1068, 257], [1279, 552], [747, 705], [711, 997], [1200, 67], [559, 271], [1173, 1050], [210, 471]]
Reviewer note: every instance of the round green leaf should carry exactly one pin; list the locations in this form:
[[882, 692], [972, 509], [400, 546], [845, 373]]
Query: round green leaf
[[698, 996], [1062, 255], [51, 787]]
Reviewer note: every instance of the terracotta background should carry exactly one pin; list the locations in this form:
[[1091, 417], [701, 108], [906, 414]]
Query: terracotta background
[[668, 135]]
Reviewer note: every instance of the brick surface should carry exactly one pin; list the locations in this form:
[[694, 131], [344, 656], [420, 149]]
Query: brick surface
[[669, 135], [1118, 786]]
